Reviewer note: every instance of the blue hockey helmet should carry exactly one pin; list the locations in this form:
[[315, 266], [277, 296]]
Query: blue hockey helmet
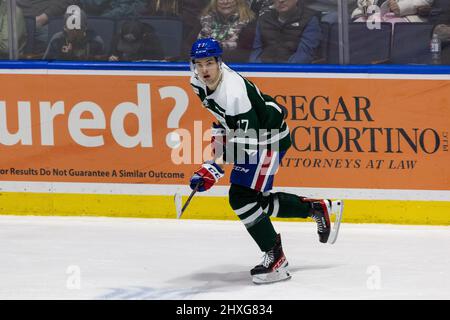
[[204, 48]]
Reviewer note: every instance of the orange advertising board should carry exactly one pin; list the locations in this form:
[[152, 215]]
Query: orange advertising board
[[369, 133]]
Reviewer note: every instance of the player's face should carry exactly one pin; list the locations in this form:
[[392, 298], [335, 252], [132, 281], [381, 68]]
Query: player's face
[[207, 69]]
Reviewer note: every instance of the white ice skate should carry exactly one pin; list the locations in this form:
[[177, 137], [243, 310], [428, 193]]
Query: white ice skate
[[337, 209], [321, 212], [274, 266], [279, 274]]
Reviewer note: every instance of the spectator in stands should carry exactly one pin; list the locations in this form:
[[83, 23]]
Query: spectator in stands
[[439, 13], [190, 14], [164, 8], [408, 8], [4, 30], [443, 32], [259, 7], [288, 33], [136, 41], [392, 10], [116, 9], [75, 42], [94, 7], [232, 23], [328, 8], [37, 14]]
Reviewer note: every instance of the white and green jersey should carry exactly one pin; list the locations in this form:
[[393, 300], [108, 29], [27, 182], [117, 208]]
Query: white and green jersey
[[239, 105]]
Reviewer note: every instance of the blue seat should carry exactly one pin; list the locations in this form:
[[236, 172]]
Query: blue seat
[[441, 4], [411, 43], [366, 46], [30, 24], [169, 31], [55, 25], [104, 27], [35, 45]]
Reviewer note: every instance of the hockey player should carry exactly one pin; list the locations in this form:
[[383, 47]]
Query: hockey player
[[252, 128]]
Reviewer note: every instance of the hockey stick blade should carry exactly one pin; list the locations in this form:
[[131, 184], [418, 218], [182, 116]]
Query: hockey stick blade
[[178, 201], [338, 210]]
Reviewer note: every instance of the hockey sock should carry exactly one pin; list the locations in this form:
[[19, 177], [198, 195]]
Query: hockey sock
[[244, 202], [284, 205], [264, 234]]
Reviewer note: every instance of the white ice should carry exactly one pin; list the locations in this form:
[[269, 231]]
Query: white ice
[[117, 258]]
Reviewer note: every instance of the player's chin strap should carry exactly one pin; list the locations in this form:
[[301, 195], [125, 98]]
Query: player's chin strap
[[219, 78]]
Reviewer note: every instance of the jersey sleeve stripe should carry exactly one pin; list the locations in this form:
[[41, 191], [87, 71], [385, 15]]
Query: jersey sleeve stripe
[[269, 103]]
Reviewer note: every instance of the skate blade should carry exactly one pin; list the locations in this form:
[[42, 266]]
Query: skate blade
[[281, 274], [337, 209]]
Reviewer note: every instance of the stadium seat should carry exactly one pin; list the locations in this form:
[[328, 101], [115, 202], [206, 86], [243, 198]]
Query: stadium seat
[[55, 25], [105, 28], [34, 49], [366, 46], [411, 43], [30, 24], [169, 31], [442, 4], [323, 48]]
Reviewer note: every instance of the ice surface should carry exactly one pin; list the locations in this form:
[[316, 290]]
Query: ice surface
[[116, 258]]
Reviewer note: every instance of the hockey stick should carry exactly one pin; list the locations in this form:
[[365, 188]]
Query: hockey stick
[[178, 200]]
